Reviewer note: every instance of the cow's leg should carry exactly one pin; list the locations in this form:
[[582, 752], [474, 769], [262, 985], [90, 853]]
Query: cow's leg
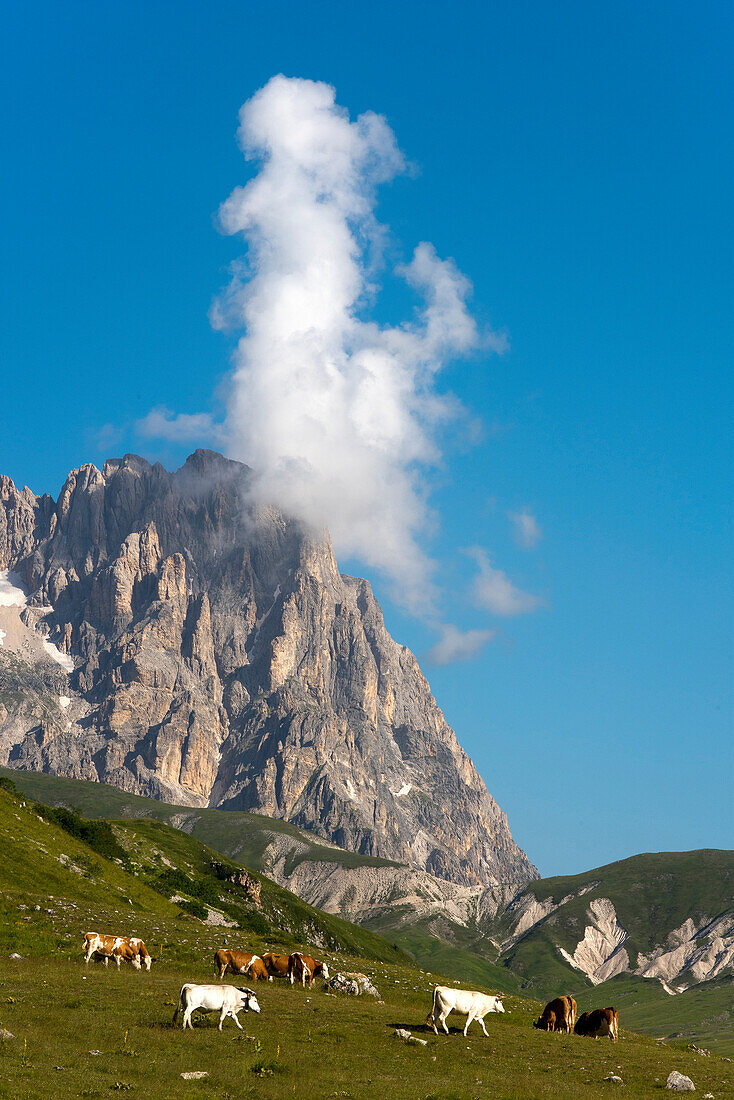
[[187, 1019], [106, 959], [223, 1014], [469, 1019], [443, 1022], [481, 1024], [233, 1014]]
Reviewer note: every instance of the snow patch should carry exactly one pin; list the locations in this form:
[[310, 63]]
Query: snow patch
[[64, 701], [56, 655], [351, 791], [405, 789], [2, 635], [11, 593]]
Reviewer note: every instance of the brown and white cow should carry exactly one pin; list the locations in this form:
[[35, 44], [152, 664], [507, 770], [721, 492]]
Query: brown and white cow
[[303, 968], [120, 948], [599, 1023], [558, 1015], [276, 965], [240, 962]]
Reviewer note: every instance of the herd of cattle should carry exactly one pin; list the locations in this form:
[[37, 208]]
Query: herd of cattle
[[558, 1015]]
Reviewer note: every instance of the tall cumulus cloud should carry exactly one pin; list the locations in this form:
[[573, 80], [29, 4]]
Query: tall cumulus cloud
[[338, 415]]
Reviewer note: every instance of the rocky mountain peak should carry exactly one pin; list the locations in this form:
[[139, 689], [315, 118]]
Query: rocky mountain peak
[[220, 658]]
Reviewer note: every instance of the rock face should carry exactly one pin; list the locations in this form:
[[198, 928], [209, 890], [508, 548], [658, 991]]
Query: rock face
[[220, 658]]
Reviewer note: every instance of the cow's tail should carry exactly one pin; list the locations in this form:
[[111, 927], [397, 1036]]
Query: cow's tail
[[179, 1005], [431, 1017]]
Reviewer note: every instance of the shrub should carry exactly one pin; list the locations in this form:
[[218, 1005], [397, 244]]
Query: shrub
[[97, 834]]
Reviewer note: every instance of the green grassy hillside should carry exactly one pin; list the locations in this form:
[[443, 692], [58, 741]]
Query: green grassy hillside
[[652, 894], [91, 1031], [44, 865], [239, 835]]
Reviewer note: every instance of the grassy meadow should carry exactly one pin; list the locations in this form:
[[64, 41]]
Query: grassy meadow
[[93, 1031]]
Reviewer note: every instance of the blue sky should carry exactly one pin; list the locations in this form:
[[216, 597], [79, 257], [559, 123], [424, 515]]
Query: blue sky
[[575, 161]]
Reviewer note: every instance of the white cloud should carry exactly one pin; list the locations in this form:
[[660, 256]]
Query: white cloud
[[493, 590], [161, 423], [456, 645], [526, 530], [108, 436], [339, 415]]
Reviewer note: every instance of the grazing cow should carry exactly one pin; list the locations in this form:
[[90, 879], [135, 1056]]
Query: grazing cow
[[474, 1006], [304, 969], [257, 970], [227, 1000], [120, 948], [558, 1015], [599, 1023], [240, 962], [276, 965], [137, 945]]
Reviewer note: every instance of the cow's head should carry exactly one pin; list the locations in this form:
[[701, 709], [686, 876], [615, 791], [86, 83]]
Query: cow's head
[[499, 1006], [324, 971], [546, 1022], [249, 1000]]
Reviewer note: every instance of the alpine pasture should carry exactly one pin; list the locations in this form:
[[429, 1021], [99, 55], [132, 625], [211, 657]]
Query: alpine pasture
[[93, 1031]]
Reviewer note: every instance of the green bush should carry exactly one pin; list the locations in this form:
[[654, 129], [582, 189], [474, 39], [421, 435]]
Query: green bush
[[172, 881], [194, 908], [254, 922], [97, 834]]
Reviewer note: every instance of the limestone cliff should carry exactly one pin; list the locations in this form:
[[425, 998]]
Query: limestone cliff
[[220, 658]]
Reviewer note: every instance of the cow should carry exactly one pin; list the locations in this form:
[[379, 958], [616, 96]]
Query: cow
[[304, 968], [474, 1006], [599, 1023], [227, 1000], [558, 1015], [240, 962], [120, 948], [276, 965]]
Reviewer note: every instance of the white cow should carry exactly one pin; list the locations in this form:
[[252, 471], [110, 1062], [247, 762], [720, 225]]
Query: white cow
[[227, 1000], [474, 1005]]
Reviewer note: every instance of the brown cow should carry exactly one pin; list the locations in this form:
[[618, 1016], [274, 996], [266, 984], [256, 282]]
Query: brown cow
[[304, 968], [240, 962], [276, 965], [558, 1015], [599, 1023]]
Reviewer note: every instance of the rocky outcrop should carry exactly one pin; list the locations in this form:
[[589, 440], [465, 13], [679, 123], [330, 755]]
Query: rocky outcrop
[[251, 887], [601, 953], [218, 657], [694, 952]]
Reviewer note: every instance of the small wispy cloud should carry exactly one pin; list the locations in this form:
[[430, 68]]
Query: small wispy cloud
[[495, 592], [526, 530], [161, 423], [108, 436], [456, 645]]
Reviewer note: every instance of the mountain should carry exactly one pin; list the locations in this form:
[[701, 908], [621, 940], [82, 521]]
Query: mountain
[[667, 916], [163, 634]]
